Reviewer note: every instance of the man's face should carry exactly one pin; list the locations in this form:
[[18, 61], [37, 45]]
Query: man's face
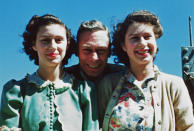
[[93, 52]]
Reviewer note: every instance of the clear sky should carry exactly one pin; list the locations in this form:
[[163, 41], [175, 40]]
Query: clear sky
[[15, 14]]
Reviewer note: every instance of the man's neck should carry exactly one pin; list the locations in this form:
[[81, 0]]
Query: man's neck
[[90, 78]]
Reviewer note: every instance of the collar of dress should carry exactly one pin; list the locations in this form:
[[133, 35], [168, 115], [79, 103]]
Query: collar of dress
[[66, 81], [129, 77]]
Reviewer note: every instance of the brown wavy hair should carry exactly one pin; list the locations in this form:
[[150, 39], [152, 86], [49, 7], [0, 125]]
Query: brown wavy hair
[[32, 29], [120, 30]]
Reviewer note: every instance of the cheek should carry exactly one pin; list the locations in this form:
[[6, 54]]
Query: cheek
[[63, 47], [129, 48], [128, 45], [83, 57], [79, 53], [40, 50], [154, 48], [104, 58]]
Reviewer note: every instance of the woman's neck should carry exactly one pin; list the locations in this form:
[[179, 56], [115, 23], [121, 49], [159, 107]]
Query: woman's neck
[[141, 72], [50, 73]]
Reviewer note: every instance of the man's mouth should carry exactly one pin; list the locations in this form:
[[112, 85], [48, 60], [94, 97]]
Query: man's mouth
[[94, 66]]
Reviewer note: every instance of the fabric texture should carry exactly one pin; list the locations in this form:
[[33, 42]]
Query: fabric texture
[[33, 104], [89, 100], [134, 108], [171, 101]]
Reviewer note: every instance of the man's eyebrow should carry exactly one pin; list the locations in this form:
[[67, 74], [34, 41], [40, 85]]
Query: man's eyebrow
[[86, 46], [101, 48], [44, 35]]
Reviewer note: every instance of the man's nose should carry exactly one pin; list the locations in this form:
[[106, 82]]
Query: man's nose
[[95, 56]]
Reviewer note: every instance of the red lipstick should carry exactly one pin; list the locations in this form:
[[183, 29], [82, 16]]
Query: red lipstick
[[53, 55]]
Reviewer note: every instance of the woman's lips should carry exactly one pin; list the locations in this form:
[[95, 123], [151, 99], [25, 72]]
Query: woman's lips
[[142, 52], [53, 55]]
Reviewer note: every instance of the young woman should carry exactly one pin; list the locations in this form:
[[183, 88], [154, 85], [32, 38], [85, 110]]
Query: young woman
[[44, 100], [142, 98]]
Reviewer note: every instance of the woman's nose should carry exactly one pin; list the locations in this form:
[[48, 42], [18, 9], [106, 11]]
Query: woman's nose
[[142, 41], [53, 44]]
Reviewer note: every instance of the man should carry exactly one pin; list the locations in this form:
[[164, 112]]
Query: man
[[93, 49]]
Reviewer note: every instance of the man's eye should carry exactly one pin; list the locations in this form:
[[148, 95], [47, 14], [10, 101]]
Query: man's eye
[[101, 52], [87, 50]]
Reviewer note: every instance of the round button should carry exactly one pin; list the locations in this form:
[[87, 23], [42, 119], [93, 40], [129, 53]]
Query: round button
[[186, 67], [185, 58], [185, 50], [159, 122], [107, 114]]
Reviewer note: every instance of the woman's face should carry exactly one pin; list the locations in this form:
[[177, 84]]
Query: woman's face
[[140, 43], [51, 44]]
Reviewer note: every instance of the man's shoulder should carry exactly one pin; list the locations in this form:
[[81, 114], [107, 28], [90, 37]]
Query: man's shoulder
[[115, 72], [74, 70], [113, 68]]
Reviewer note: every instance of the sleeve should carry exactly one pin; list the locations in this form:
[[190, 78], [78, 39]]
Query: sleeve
[[183, 107], [11, 103], [88, 104], [105, 89], [89, 107]]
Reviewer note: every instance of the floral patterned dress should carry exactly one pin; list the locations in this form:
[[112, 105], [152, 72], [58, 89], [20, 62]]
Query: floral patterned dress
[[134, 110]]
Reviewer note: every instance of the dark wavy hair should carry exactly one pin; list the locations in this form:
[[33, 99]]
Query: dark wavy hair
[[91, 26], [32, 29], [120, 30]]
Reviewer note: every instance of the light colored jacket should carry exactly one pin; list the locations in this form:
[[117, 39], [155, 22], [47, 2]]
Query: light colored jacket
[[33, 104], [172, 103]]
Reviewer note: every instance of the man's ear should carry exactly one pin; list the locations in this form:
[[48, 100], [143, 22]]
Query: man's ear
[[76, 49], [123, 47]]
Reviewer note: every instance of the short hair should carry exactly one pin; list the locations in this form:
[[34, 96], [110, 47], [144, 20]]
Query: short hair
[[120, 30], [32, 29], [91, 26]]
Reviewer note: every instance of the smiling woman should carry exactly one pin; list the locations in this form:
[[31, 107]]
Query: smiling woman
[[51, 44], [42, 100], [142, 98]]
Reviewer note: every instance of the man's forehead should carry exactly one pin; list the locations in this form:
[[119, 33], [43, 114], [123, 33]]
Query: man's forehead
[[94, 35], [94, 39], [95, 45], [102, 35]]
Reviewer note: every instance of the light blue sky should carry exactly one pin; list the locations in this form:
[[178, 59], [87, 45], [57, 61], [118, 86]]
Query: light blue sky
[[15, 14]]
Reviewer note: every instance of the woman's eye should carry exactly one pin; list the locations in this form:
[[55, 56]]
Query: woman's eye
[[45, 41], [135, 38], [58, 40], [147, 37]]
